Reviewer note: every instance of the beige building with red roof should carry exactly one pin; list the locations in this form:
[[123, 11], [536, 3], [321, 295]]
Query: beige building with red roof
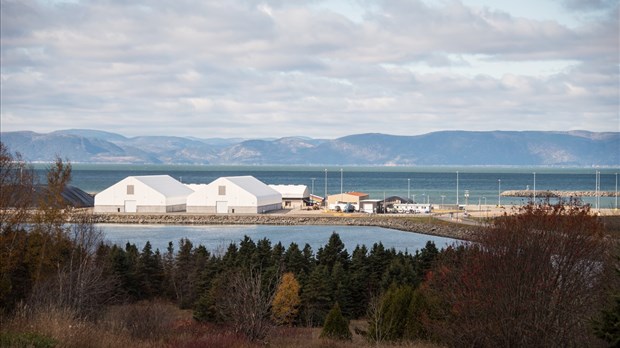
[[347, 197]]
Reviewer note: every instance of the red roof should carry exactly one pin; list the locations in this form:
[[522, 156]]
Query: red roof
[[359, 194]]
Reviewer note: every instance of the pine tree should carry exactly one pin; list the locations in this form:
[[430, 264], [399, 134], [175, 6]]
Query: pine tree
[[336, 326], [333, 252], [316, 296], [358, 282], [340, 283]]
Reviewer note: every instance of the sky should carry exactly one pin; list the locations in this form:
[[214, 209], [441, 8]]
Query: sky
[[321, 69]]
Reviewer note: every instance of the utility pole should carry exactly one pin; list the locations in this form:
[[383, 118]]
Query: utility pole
[[457, 190], [499, 192], [313, 185], [534, 187], [408, 190], [325, 199], [341, 184]]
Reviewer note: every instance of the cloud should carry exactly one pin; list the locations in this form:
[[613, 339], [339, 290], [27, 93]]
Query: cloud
[[277, 68]]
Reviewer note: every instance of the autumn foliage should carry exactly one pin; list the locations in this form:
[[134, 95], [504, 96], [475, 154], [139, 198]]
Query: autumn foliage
[[534, 279], [286, 302]]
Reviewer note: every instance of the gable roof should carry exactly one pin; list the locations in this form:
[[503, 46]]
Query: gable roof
[[165, 184], [291, 191], [252, 185]]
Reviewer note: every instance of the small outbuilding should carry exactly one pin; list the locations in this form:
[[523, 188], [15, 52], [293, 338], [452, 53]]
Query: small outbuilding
[[353, 198], [293, 196], [234, 195], [143, 194]]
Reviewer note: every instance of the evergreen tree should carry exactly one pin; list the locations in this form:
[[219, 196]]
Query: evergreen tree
[[148, 273], [230, 258], [426, 257], [399, 272], [183, 273], [262, 255], [277, 256], [358, 282], [378, 259], [246, 253], [336, 326], [169, 280], [420, 309], [333, 252], [294, 260], [607, 326], [316, 296], [340, 282], [390, 320]]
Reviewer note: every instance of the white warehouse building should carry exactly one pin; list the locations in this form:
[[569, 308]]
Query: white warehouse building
[[293, 196], [143, 194], [234, 195]]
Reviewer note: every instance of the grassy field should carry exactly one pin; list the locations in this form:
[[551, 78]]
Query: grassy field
[[156, 324]]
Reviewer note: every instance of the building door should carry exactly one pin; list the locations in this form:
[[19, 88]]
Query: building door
[[221, 207], [367, 208], [131, 207]]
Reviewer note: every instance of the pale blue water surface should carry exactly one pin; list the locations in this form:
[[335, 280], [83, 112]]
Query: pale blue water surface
[[216, 238], [420, 183]]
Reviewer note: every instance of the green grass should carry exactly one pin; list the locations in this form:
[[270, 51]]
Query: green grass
[[26, 339]]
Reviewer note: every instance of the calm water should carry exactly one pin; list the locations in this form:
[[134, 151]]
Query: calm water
[[419, 183], [217, 238]]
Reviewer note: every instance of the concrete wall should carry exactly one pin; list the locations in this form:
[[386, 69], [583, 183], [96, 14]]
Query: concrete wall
[[109, 209], [200, 209], [140, 208]]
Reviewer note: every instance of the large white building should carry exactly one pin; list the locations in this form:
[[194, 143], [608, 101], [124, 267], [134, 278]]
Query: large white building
[[293, 196], [234, 195], [143, 194]]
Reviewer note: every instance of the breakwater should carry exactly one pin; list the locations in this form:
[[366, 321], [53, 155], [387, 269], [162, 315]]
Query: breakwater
[[545, 193], [455, 231]]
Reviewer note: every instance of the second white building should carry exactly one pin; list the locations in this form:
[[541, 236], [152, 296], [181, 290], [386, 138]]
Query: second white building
[[234, 195]]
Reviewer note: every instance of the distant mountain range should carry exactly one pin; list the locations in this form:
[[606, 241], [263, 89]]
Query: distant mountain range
[[575, 148]]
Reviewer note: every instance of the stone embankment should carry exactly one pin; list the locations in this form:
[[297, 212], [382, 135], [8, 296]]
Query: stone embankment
[[399, 223], [530, 193]]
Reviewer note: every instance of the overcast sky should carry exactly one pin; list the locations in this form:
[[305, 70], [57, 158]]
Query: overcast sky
[[321, 69]]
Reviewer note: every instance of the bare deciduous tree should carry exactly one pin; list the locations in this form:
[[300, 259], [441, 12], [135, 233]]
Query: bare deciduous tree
[[533, 279], [16, 189], [246, 301], [79, 283]]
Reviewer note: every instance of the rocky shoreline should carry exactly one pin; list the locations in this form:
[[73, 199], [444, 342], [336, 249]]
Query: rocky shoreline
[[456, 231], [530, 193]]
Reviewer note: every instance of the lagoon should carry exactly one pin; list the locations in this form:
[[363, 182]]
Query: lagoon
[[216, 238]]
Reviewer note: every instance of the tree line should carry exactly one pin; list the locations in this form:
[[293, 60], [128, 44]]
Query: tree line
[[543, 276]]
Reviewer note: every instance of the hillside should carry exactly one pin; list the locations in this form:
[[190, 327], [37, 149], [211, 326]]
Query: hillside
[[577, 148]]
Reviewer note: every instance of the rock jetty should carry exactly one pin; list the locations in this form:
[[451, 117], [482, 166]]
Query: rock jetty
[[456, 231], [530, 193]]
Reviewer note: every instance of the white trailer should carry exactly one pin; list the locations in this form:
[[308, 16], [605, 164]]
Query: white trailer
[[413, 208]]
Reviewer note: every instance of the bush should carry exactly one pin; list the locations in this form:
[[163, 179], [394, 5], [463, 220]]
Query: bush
[[533, 279], [336, 326]]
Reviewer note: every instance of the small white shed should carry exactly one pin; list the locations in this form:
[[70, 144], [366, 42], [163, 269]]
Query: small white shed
[[293, 196], [143, 194], [234, 195]]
